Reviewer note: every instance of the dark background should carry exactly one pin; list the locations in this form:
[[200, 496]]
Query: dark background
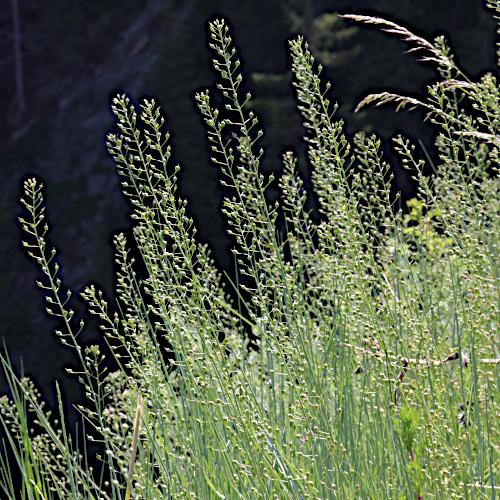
[[74, 55]]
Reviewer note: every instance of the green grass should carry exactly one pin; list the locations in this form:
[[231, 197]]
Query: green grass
[[345, 395]]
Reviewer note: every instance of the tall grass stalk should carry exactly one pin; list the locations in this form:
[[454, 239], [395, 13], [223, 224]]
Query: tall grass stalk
[[345, 392]]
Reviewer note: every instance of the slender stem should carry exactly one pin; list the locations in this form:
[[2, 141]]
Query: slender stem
[[135, 438]]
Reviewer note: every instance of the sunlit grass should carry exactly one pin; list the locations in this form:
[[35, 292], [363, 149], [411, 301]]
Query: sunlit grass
[[375, 371]]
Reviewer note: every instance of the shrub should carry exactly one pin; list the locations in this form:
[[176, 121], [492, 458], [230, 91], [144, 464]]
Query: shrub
[[351, 390]]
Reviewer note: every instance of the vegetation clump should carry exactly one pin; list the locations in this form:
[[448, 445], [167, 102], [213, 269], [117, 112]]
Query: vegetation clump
[[375, 369]]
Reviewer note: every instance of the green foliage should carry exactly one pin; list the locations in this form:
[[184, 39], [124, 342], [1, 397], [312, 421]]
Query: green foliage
[[423, 229], [346, 394]]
